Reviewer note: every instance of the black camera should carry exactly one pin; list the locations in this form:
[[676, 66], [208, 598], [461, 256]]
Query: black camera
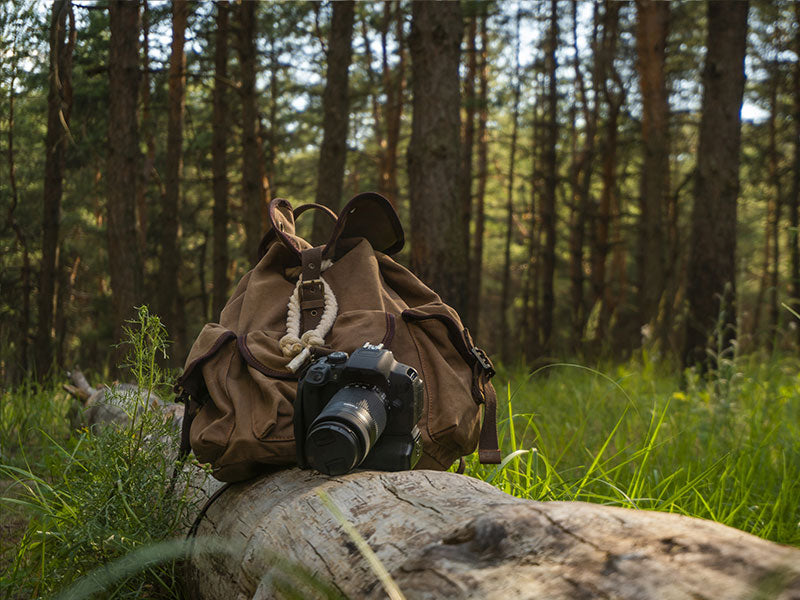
[[358, 411]]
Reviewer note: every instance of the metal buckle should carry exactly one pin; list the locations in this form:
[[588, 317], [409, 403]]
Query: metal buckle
[[310, 285], [483, 361]]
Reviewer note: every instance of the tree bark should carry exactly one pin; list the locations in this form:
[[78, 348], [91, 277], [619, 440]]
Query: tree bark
[[336, 111], [505, 293], [253, 178], [219, 161], [794, 199], [652, 27], [550, 168], [443, 535], [434, 153], [613, 93], [125, 260], [581, 170], [476, 261], [148, 133], [774, 218], [170, 309], [59, 107], [711, 288], [468, 134]]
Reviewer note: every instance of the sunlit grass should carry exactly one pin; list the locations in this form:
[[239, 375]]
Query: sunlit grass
[[631, 436]]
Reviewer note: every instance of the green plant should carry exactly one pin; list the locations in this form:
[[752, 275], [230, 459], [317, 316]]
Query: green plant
[[102, 495], [635, 440]]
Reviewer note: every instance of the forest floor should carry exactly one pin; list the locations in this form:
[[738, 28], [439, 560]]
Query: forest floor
[[635, 434]]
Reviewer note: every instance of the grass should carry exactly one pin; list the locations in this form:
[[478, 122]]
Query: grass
[[725, 449], [633, 435]]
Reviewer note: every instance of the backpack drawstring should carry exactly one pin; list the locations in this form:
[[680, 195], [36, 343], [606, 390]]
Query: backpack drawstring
[[293, 344]]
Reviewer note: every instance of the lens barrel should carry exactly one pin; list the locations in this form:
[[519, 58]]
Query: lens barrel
[[346, 429]]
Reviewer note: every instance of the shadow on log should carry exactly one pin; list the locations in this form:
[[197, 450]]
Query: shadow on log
[[444, 535]]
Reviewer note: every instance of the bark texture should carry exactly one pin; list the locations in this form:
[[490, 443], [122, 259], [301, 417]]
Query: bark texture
[[219, 162], [124, 257], [476, 257], [170, 307], [253, 180], [652, 26], [434, 152], [711, 285], [794, 198], [550, 167], [336, 111], [443, 535], [59, 107]]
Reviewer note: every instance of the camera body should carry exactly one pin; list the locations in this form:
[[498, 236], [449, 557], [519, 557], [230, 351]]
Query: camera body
[[358, 411]]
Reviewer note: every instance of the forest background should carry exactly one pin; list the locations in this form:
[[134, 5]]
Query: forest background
[[613, 185], [579, 179]]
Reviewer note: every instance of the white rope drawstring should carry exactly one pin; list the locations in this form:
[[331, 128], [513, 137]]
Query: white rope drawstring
[[293, 344]]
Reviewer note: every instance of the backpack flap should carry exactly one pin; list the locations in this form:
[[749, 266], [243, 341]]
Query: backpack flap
[[370, 216]]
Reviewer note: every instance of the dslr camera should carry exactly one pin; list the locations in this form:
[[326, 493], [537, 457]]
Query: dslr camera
[[358, 411]]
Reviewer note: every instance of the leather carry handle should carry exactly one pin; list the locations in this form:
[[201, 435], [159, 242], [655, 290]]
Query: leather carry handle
[[279, 225], [368, 215]]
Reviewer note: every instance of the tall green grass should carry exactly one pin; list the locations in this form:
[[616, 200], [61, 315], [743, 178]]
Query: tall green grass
[[725, 448], [94, 497]]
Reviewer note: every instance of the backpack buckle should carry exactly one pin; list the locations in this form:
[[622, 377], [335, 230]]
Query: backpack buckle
[[483, 361]]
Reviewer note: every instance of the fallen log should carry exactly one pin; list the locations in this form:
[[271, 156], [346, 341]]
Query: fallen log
[[444, 535]]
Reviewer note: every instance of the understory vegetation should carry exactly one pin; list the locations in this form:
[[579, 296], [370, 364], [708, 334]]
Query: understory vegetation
[[629, 434]]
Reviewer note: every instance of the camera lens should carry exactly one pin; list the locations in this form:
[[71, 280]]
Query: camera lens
[[347, 428]]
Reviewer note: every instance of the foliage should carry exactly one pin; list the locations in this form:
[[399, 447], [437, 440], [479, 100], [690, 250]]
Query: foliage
[[102, 494]]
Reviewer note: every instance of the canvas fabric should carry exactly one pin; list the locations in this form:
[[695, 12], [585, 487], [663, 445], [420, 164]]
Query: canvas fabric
[[240, 391]]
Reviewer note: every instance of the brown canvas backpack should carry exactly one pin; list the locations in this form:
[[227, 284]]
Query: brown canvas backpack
[[240, 378]]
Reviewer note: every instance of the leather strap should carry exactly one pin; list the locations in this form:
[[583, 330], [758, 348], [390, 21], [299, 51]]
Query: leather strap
[[488, 446], [312, 293]]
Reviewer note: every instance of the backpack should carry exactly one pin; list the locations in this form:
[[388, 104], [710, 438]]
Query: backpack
[[301, 302]]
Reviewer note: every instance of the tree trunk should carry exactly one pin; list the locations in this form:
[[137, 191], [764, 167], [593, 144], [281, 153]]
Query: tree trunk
[[505, 294], [613, 93], [774, 218], [468, 137], [434, 153], [581, 170], [253, 185], [171, 312], [444, 535], [24, 324], [711, 288], [336, 111], [476, 262], [125, 260], [219, 161], [389, 115], [59, 106], [652, 27], [148, 132], [548, 204], [794, 200]]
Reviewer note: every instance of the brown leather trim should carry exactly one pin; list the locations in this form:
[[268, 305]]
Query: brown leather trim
[[251, 360], [274, 220], [488, 446], [270, 236], [312, 293], [390, 329]]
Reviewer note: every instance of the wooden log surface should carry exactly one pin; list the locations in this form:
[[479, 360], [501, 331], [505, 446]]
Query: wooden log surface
[[444, 535]]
